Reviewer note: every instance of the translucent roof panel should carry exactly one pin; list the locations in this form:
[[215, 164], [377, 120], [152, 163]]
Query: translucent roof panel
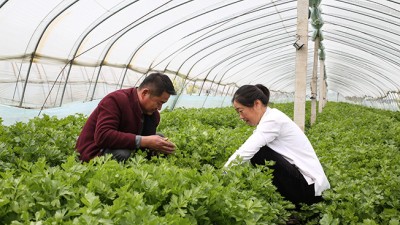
[[58, 51]]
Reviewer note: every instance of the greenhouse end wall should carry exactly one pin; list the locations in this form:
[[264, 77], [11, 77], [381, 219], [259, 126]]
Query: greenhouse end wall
[[11, 114]]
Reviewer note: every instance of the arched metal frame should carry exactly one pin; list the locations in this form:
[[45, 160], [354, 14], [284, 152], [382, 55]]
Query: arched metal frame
[[249, 43]]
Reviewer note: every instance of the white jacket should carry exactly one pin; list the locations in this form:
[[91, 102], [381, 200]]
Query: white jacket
[[281, 134]]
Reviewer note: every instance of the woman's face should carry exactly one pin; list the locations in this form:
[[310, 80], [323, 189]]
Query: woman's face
[[250, 115]]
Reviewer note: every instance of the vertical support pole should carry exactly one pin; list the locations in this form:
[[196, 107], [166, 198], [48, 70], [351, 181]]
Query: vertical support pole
[[321, 86], [15, 68], [301, 64], [180, 93], [314, 83], [222, 104], [396, 101], [326, 91]]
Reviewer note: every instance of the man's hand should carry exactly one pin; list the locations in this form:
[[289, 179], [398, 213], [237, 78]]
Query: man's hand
[[158, 143]]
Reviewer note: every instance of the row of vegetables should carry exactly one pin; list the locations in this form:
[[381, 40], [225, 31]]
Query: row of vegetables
[[42, 182]]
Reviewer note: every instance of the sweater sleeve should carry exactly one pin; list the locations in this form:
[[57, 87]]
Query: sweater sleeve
[[107, 133], [267, 130]]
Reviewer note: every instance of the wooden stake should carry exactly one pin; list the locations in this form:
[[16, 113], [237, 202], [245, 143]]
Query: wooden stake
[[301, 64]]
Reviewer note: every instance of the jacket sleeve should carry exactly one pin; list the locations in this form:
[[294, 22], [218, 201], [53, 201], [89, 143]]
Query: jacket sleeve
[[107, 133], [265, 132]]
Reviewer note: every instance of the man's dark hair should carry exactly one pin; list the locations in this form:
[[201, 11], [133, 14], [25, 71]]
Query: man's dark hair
[[157, 83]]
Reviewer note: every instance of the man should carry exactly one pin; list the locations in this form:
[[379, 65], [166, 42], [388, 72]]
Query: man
[[126, 120]]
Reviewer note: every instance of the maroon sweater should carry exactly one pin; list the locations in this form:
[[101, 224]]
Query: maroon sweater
[[114, 124]]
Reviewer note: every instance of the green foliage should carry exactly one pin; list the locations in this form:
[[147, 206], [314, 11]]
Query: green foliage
[[46, 137], [359, 148], [204, 136], [42, 182]]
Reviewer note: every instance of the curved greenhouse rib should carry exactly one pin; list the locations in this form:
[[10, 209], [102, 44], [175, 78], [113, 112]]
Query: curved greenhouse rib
[[216, 25], [370, 50], [358, 59], [284, 67], [390, 50], [128, 29], [224, 39], [246, 70], [62, 10], [369, 45], [353, 73], [343, 39], [347, 89], [282, 2], [243, 58], [238, 53], [267, 50], [281, 72], [363, 65], [226, 45], [246, 53], [116, 38], [271, 47], [83, 36], [365, 23], [78, 44], [216, 45], [166, 29], [2, 4], [365, 32], [359, 5]]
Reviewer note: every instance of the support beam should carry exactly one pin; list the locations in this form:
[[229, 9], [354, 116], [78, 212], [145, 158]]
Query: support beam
[[314, 83], [321, 86], [325, 92], [301, 64]]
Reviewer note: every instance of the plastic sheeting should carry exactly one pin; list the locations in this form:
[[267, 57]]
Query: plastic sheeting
[[54, 52]]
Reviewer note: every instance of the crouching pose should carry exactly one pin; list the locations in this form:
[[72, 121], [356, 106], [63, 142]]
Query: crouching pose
[[298, 174], [126, 120]]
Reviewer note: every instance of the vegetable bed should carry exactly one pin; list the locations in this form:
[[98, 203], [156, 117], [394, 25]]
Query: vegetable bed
[[42, 182]]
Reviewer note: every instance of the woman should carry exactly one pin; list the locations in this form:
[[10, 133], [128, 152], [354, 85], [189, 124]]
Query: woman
[[298, 174]]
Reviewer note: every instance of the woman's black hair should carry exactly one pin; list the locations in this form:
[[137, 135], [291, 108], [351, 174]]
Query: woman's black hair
[[247, 94]]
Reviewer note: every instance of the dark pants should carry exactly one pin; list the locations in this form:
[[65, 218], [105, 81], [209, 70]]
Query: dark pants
[[122, 155], [287, 178]]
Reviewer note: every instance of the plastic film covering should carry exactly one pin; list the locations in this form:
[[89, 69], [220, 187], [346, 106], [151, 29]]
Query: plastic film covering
[[54, 52]]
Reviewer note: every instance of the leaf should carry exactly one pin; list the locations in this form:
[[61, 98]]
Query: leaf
[[90, 200]]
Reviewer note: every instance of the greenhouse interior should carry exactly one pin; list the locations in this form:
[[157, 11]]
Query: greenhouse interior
[[331, 66]]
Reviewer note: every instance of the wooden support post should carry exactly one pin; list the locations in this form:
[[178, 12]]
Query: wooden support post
[[325, 92], [314, 83], [321, 86], [301, 64]]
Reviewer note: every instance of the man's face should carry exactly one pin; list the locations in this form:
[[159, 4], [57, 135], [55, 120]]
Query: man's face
[[151, 103]]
